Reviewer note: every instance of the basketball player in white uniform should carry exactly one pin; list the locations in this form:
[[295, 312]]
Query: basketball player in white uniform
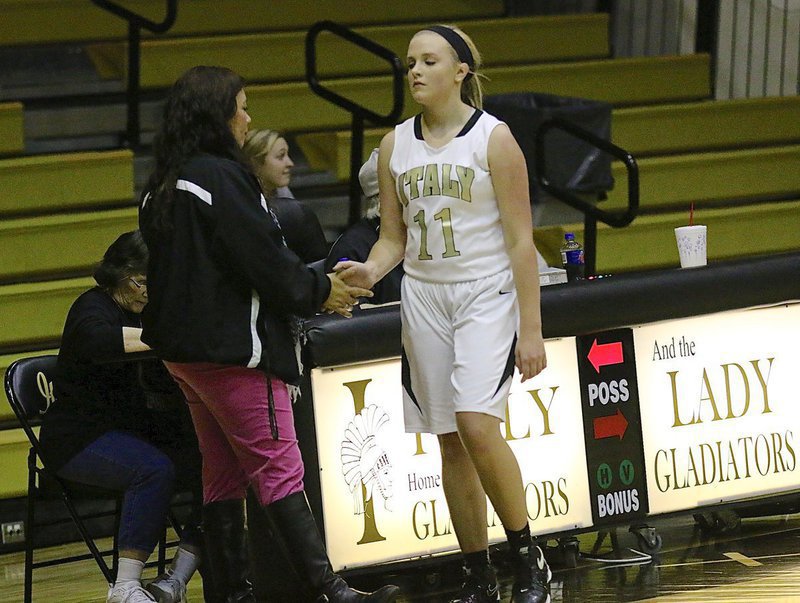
[[455, 207]]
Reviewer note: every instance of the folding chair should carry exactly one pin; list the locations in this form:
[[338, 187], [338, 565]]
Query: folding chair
[[29, 389]]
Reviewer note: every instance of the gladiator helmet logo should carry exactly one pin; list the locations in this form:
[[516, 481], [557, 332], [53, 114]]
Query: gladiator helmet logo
[[364, 461]]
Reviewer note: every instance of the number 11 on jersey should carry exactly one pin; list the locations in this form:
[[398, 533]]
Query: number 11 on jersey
[[447, 233]]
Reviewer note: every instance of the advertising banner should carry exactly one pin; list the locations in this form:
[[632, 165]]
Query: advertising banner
[[653, 419], [381, 488], [720, 406]]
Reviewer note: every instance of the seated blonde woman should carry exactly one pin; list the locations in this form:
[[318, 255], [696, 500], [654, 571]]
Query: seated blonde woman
[[268, 152]]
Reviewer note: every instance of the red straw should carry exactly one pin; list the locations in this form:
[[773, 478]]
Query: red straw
[[691, 214]]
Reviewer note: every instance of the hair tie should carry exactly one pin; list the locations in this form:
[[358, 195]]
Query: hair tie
[[458, 44]]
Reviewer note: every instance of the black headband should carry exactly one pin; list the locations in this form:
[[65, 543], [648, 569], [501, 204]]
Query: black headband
[[459, 45]]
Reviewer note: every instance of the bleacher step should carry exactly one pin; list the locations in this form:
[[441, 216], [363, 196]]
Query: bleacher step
[[649, 242], [38, 310], [48, 247], [291, 106], [46, 183], [642, 131], [43, 21], [274, 57], [35, 72], [745, 176]]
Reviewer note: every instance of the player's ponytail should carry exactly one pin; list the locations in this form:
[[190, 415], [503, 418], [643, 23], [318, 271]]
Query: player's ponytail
[[471, 88]]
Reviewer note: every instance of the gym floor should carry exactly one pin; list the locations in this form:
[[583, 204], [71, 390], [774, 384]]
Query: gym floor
[[757, 561]]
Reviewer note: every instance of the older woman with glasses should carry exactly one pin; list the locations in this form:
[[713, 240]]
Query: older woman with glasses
[[100, 431]]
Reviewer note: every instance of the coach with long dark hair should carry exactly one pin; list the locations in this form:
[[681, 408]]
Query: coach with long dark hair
[[224, 294]]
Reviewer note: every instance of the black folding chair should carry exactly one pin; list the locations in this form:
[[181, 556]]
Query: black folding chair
[[29, 388]]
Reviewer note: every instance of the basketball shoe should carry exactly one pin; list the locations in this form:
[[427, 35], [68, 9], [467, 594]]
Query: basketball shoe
[[532, 581], [478, 589]]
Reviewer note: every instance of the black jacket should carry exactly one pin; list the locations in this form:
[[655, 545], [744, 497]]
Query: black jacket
[[301, 228], [222, 286]]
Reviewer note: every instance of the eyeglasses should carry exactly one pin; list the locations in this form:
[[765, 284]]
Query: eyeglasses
[[137, 283]]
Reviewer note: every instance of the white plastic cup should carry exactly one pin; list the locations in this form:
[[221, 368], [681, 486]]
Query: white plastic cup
[[691, 245]]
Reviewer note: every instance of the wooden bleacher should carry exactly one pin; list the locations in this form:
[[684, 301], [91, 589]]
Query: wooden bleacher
[[42, 184], [698, 126], [649, 243], [742, 176], [48, 21], [661, 105], [563, 55], [53, 239], [39, 310], [707, 125], [280, 56], [292, 107], [742, 153], [52, 246]]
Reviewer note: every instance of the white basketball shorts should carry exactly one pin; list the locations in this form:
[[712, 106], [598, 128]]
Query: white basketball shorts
[[458, 349]]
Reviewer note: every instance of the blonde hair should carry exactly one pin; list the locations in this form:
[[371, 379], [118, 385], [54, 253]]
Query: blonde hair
[[259, 142], [471, 87]]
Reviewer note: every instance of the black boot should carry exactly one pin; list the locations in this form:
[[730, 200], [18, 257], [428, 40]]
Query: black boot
[[298, 529], [272, 573], [226, 546]]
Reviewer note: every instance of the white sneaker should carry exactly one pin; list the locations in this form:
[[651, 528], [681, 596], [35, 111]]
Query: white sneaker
[[167, 588], [128, 592]]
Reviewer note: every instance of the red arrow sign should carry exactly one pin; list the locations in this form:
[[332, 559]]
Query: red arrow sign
[[610, 426], [602, 354]]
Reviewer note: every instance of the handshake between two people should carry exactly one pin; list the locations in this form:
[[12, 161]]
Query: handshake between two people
[[349, 282]]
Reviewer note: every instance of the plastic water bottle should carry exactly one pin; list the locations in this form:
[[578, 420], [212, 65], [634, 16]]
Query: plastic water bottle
[[572, 257]]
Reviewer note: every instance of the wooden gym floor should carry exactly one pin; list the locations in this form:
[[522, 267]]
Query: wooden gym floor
[[760, 561]]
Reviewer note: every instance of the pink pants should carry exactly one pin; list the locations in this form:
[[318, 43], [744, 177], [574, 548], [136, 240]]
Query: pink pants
[[229, 407]]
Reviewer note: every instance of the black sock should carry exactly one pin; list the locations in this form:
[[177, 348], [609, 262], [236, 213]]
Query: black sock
[[519, 540], [478, 564]]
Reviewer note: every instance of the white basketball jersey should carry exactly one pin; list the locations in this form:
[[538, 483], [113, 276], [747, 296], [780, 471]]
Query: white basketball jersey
[[449, 205]]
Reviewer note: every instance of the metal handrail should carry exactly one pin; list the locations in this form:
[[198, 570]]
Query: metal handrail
[[358, 112], [591, 212], [136, 23]]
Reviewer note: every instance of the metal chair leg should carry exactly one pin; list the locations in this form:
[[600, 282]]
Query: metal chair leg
[[28, 595], [115, 539], [88, 539]]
